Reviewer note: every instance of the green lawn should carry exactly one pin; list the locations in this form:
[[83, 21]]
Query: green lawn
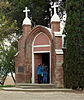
[[1, 86]]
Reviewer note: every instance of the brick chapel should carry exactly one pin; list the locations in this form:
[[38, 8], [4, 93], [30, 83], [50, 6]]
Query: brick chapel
[[39, 45]]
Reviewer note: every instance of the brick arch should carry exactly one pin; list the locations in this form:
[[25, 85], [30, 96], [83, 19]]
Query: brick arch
[[28, 45], [38, 29], [33, 33]]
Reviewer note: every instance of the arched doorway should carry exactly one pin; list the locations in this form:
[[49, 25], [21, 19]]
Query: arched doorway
[[41, 54]]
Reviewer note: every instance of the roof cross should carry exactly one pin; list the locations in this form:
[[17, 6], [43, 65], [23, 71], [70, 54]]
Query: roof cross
[[55, 6], [26, 11]]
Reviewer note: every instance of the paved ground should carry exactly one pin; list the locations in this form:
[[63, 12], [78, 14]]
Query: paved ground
[[13, 95]]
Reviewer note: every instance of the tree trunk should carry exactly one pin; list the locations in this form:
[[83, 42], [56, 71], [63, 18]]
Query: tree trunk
[[13, 77], [3, 80]]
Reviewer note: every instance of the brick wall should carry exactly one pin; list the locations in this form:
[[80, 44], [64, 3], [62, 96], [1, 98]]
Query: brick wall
[[24, 57]]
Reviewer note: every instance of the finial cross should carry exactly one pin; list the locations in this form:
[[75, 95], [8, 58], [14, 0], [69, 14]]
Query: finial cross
[[55, 6], [26, 11]]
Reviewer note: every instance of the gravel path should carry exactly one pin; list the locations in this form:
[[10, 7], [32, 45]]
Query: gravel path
[[13, 95]]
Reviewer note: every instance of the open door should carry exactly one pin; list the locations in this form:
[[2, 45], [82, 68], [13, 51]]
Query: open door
[[37, 61], [42, 58]]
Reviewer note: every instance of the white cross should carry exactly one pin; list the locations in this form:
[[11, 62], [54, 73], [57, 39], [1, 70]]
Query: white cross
[[26, 11], [55, 6]]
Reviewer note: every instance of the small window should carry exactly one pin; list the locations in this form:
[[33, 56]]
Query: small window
[[20, 69]]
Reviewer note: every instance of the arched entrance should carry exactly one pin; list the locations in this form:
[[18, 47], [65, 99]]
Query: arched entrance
[[41, 54]]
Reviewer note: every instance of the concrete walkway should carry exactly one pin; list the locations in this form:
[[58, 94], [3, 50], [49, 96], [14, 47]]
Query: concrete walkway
[[18, 95]]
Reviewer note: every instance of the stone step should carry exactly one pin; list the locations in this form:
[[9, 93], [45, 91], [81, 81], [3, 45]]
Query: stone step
[[35, 86], [37, 90]]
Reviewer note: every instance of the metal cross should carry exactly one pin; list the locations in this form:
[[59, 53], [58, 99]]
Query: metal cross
[[55, 6], [26, 11]]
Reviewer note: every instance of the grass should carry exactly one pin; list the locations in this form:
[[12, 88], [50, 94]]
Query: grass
[[1, 86], [7, 85]]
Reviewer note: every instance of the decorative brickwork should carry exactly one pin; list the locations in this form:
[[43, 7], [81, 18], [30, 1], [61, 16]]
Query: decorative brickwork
[[27, 50]]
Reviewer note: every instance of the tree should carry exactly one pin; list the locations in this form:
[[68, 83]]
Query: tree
[[7, 61], [8, 26], [74, 57], [41, 11]]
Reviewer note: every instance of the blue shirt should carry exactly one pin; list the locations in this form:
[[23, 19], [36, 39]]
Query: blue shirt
[[39, 70]]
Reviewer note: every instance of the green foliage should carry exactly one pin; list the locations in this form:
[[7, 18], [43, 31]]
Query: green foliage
[[39, 11], [7, 61], [74, 56], [1, 86], [7, 27]]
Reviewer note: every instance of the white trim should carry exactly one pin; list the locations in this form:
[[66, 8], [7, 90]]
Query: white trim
[[63, 36], [57, 34], [59, 51], [49, 64], [33, 52], [41, 51], [50, 67], [32, 64], [49, 29], [41, 46]]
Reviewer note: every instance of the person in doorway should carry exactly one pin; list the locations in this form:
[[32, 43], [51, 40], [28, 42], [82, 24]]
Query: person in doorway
[[45, 74], [39, 73], [47, 69]]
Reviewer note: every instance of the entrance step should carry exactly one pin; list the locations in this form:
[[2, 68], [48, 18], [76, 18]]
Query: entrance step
[[37, 90], [36, 86]]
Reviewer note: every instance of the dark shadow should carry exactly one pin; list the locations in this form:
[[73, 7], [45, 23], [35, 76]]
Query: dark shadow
[[46, 61]]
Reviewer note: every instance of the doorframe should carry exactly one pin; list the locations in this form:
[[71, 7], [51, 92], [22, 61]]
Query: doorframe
[[33, 52], [33, 67]]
